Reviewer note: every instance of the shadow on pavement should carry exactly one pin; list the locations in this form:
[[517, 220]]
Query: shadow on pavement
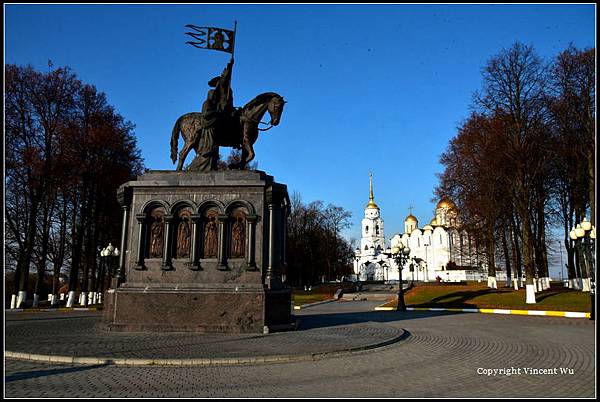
[[310, 321], [46, 318], [45, 373]]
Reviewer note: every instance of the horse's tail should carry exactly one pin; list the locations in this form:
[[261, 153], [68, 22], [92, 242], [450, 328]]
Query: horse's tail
[[175, 138]]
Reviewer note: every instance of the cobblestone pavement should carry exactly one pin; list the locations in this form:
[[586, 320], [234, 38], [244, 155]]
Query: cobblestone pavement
[[81, 335], [441, 357]]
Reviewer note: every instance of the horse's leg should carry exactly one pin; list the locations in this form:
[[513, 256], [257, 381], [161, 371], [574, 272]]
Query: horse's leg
[[190, 136], [183, 154], [247, 151], [247, 148]]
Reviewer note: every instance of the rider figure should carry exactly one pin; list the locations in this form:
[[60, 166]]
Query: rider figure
[[215, 109]]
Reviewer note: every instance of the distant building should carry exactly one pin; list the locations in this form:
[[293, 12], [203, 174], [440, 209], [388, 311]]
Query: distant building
[[439, 249]]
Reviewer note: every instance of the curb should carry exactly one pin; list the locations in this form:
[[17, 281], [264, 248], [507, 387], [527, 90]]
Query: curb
[[199, 362], [313, 304], [60, 309], [569, 314]]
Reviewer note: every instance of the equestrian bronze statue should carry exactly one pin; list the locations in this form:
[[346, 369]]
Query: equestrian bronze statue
[[220, 124]]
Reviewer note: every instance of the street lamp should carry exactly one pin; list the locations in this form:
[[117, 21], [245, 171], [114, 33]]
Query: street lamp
[[356, 269], [584, 236], [400, 255], [106, 254]]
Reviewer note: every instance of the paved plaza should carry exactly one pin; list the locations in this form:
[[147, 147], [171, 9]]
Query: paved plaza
[[341, 349]]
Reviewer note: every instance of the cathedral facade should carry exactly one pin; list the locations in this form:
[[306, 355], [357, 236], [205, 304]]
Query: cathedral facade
[[439, 250]]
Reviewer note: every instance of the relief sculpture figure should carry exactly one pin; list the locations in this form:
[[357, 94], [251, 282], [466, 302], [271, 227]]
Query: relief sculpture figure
[[210, 238], [183, 238], [156, 239], [238, 236]]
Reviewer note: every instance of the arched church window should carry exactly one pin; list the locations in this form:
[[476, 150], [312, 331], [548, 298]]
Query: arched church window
[[366, 248], [366, 229], [441, 238], [377, 229]]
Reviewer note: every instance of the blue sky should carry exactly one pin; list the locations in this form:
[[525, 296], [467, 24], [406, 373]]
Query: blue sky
[[376, 88]]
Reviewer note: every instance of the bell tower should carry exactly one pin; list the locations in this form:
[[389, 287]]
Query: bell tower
[[372, 238]]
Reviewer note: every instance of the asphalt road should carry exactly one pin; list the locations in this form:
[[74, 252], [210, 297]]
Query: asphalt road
[[442, 355]]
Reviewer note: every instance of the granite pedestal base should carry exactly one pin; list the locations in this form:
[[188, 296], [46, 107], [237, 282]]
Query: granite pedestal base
[[215, 309], [201, 252]]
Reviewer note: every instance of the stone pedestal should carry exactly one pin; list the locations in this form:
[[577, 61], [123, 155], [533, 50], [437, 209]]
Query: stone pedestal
[[201, 252]]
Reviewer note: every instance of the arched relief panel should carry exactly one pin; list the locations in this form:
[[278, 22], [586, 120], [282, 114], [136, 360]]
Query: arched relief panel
[[240, 204], [210, 233], [182, 232], [153, 204], [208, 239], [155, 233], [211, 204], [237, 233], [183, 204], [240, 233]]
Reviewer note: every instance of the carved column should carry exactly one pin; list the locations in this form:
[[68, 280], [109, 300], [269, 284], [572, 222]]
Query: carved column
[[284, 215], [166, 262], [250, 254], [272, 277], [194, 264], [121, 273], [139, 263], [222, 254]]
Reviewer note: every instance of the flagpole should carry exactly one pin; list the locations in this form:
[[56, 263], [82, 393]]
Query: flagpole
[[234, 35]]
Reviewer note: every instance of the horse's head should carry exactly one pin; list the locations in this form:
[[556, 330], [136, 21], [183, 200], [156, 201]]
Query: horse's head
[[254, 110], [275, 108]]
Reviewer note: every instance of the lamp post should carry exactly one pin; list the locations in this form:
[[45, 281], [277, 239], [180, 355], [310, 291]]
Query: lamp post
[[106, 254], [584, 235], [357, 259], [562, 276], [400, 255]]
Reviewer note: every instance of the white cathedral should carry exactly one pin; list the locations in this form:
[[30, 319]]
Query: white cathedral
[[439, 251]]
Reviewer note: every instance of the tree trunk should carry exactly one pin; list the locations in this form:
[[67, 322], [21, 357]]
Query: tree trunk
[[491, 252], [517, 249], [506, 257], [25, 257], [77, 248], [41, 267], [592, 192]]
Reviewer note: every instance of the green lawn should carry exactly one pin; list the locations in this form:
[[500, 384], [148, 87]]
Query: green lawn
[[480, 296], [302, 297], [318, 293]]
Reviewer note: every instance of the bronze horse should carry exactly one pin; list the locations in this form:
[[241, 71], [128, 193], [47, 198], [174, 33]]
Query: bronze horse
[[240, 130]]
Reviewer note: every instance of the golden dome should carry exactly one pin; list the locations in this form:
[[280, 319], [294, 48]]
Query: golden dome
[[433, 222], [371, 203], [410, 218], [445, 202]]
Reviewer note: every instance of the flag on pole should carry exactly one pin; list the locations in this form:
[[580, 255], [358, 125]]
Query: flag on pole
[[212, 38]]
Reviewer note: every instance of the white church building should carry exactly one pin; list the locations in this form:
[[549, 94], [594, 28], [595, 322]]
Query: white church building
[[439, 250]]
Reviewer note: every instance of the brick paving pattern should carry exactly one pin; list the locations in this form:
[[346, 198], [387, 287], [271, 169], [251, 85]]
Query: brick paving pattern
[[439, 358], [82, 336]]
